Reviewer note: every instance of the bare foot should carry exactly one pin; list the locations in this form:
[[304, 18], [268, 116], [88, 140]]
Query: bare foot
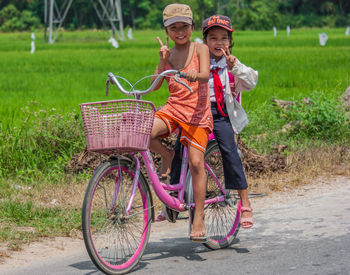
[[166, 164], [198, 226]]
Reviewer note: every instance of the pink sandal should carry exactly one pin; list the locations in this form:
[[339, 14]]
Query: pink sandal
[[246, 222]]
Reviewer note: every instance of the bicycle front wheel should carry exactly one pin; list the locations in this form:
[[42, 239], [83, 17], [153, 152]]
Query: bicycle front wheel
[[221, 218], [116, 218]]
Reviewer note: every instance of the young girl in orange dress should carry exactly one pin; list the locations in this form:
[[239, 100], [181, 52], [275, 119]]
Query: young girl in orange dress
[[189, 110]]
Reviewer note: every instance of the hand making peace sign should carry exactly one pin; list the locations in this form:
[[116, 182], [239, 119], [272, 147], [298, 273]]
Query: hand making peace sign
[[230, 59], [164, 51]]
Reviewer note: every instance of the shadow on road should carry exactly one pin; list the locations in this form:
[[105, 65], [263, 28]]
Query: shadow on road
[[164, 249], [178, 247], [86, 265]]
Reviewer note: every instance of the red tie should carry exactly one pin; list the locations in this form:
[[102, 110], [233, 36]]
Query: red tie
[[219, 91]]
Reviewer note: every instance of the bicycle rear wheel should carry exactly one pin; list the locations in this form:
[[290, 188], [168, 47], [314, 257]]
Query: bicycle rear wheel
[[221, 218], [114, 238]]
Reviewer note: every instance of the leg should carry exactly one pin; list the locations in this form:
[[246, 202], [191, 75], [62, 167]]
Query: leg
[[176, 163], [196, 164], [160, 128], [175, 171], [221, 219], [233, 168]]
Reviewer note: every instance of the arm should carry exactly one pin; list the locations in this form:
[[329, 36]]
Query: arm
[[160, 68], [204, 66], [164, 54], [245, 77]]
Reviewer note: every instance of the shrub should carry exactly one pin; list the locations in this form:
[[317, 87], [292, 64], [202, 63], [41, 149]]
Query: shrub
[[8, 13], [260, 15], [318, 120], [29, 20], [43, 145], [321, 118]]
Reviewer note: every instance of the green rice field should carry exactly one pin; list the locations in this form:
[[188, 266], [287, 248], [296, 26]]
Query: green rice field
[[74, 69], [40, 93]]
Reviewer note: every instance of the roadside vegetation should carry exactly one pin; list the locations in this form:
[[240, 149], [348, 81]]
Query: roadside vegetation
[[41, 127]]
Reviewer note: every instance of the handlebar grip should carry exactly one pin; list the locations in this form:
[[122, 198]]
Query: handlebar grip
[[182, 74], [112, 78]]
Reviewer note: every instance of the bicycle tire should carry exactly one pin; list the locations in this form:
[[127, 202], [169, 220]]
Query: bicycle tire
[[114, 241], [221, 218]]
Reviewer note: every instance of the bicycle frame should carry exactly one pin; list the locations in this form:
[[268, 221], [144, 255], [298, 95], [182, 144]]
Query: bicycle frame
[[160, 188]]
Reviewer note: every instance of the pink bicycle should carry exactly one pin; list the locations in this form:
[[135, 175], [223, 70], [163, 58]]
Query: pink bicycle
[[118, 207]]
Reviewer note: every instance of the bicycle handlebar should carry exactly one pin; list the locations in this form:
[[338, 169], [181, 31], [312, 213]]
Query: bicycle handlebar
[[177, 74]]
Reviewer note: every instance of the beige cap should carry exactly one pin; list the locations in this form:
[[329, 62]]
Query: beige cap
[[177, 13]]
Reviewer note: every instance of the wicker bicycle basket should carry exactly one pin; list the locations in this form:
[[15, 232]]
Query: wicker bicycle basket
[[118, 125]]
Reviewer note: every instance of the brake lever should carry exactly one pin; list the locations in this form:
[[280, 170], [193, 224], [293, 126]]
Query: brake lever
[[107, 86], [178, 80]]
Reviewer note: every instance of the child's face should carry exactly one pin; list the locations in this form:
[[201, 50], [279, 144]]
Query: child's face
[[216, 40], [179, 32]]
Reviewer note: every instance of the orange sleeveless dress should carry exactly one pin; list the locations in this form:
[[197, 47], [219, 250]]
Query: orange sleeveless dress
[[190, 108]]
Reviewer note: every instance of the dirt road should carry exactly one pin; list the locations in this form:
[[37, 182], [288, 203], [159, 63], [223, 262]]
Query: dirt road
[[303, 231]]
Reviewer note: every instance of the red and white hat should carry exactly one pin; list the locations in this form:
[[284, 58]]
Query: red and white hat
[[217, 21]]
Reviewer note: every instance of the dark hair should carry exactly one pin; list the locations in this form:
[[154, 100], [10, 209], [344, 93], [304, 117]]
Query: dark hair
[[205, 34]]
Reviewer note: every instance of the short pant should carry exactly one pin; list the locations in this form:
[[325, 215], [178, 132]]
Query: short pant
[[194, 136]]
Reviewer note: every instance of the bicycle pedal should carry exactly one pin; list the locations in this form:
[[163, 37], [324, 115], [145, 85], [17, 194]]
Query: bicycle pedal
[[230, 199], [163, 179], [231, 202], [170, 215]]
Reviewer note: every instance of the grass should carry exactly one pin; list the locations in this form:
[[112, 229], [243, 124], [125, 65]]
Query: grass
[[40, 126], [23, 222], [74, 69], [30, 212], [70, 72]]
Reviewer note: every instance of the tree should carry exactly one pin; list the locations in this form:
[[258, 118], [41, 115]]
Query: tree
[[13, 20], [252, 14]]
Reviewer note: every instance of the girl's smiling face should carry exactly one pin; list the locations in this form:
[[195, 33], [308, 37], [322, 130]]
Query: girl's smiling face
[[217, 40], [180, 32]]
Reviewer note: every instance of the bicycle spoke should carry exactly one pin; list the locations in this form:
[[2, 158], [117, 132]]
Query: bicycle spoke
[[117, 239], [220, 217]]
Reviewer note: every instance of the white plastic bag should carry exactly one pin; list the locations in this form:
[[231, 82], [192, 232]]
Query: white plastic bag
[[114, 42], [198, 40], [130, 34], [32, 47], [32, 44], [323, 38]]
